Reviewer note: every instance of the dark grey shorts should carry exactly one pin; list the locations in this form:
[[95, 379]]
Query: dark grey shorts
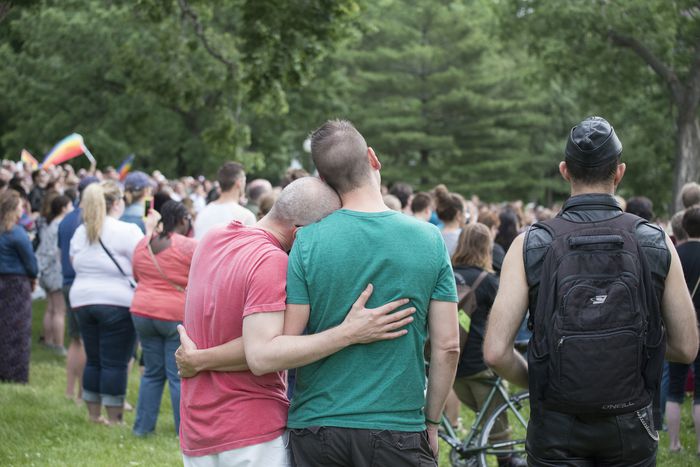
[[333, 446]]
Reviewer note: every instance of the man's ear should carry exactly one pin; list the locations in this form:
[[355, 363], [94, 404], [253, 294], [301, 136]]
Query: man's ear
[[564, 171], [619, 173], [373, 159]]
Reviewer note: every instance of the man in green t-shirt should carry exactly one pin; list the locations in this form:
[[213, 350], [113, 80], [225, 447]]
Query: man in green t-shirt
[[367, 404]]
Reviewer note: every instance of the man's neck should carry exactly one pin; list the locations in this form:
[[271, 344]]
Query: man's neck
[[606, 189], [280, 231], [232, 196], [364, 199]]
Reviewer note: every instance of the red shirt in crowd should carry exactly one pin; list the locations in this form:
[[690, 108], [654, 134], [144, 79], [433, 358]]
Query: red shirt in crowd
[[155, 297], [236, 271]]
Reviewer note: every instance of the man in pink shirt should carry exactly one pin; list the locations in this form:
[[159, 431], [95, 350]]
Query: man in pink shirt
[[231, 415]]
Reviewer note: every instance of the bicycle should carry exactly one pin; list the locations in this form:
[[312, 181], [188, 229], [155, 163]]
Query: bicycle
[[475, 449]]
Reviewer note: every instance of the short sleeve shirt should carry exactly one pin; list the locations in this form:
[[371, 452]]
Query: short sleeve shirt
[[156, 296], [379, 385], [236, 271]]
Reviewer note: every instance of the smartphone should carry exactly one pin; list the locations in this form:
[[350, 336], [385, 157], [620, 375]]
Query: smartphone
[[147, 206]]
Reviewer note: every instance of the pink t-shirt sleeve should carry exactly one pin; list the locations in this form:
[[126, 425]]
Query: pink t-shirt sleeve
[[266, 285]]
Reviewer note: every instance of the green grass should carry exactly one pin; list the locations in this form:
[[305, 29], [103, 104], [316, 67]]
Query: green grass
[[39, 427]]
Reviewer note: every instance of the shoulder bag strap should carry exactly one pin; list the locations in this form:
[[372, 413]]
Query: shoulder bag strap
[[131, 283], [695, 289], [162, 274], [474, 286]]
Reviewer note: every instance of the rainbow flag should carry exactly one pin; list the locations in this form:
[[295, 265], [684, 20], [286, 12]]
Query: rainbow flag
[[66, 149], [125, 166], [28, 159]]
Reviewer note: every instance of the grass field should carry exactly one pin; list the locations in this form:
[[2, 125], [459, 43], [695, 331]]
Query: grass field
[[39, 427]]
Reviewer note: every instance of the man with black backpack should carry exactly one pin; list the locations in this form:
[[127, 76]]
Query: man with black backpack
[[607, 299]]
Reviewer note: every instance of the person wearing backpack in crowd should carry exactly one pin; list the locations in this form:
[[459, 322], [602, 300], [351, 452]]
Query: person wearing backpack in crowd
[[689, 254], [598, 283], [472, 265]]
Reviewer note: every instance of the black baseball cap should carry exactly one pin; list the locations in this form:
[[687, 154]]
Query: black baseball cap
[[593, 143]]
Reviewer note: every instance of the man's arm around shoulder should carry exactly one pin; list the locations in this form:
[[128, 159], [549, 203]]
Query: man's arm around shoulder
[[272, 341]]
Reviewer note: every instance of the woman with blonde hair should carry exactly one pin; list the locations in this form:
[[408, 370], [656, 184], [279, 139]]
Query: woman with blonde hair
[[101, 251], [18, 270], [472, 266]]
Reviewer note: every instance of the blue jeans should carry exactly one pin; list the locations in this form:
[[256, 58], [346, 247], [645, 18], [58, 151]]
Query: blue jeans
[[108, 335], [159, 341]]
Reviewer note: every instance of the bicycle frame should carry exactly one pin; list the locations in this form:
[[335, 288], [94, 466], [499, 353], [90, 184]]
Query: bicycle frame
[[470, 445]]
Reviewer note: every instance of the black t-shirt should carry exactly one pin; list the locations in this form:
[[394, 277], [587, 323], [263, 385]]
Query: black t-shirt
[[689, 254], [472, 359]]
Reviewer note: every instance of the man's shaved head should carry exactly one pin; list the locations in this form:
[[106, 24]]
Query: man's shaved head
[[305, 201], [340, 154]]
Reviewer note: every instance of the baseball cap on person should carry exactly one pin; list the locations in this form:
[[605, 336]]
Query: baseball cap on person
[[85, 181], [137, 181], [593, 143]]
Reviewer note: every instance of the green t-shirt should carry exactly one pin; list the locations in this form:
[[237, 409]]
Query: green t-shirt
[[379, 385]]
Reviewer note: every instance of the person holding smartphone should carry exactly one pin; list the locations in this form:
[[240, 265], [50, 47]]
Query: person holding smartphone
[[138, 197]]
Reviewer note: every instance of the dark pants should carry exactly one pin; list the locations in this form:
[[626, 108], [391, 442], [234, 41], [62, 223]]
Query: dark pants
[[558, 439], [108, 335], [678, 373], [350, 447]]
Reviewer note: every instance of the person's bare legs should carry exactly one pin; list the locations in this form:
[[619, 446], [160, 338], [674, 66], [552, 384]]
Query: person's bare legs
[[452, 406], [673, 418], [94, 411], [115, 415], [75, 364], [47, 322], [58, 318]]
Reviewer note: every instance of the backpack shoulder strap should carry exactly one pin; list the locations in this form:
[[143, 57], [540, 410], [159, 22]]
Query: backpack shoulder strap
[[472, 288]]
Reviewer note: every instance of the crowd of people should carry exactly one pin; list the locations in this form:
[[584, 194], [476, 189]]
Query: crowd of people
[[341, 277]]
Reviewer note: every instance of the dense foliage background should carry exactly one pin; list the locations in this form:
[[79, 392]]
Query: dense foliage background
[[478, 94]]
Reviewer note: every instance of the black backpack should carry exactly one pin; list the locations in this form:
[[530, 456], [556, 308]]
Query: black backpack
[[598, 342]]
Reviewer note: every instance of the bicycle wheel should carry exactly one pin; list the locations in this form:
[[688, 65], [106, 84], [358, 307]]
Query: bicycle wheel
[[515, 444]]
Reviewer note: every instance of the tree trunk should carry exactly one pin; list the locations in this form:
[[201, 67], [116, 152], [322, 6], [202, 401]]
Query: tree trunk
[[424, 161], [5, 8], [687, 156]]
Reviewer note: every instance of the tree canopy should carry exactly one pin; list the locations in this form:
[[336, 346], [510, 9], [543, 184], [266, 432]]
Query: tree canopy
[[476, 94]]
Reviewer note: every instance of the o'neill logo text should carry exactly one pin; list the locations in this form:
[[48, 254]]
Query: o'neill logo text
[[621, 405]]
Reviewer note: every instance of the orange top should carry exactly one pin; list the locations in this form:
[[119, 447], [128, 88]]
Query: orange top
[[156, 297]]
